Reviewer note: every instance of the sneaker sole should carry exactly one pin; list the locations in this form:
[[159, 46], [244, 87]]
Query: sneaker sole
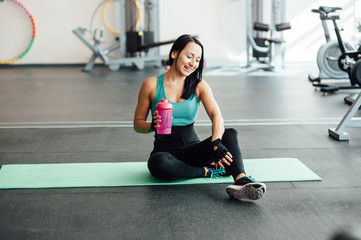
[[250, 191]]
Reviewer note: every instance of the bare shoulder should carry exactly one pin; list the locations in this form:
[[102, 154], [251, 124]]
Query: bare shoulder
[[149, 85], [148, 88], [150, 82], [203, 88]]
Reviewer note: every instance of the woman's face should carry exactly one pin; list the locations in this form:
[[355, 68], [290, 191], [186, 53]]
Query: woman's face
[[188, 59]]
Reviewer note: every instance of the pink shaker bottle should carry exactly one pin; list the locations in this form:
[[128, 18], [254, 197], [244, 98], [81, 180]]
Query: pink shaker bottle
[[164, 109]]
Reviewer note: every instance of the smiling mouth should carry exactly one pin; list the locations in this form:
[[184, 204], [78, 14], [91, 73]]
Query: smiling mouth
[[188, 68]]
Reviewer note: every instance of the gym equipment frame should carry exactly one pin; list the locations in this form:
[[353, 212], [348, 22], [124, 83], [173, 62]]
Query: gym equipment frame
[[152, 55], [265, 49], [328, 53], [347, 122], [336, 59]]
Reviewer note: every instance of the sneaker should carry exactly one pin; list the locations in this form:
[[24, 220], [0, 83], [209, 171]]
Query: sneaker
[[215, 172], [246, 188]]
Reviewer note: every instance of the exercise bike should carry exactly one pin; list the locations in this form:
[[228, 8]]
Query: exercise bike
[[336, 59]]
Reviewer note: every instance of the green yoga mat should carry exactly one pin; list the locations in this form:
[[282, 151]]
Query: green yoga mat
[[66, 175]]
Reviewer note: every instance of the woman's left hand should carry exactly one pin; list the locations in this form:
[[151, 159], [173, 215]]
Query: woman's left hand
[[221, 154]]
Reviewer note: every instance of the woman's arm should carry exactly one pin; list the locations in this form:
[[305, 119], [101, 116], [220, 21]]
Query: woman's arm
[[214, 113], [143, 106], [212, 109]]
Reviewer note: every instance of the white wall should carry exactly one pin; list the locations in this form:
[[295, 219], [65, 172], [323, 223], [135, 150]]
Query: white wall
[[219, 23]]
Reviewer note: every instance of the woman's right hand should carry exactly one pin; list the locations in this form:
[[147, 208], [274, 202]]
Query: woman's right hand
[[156, 120]]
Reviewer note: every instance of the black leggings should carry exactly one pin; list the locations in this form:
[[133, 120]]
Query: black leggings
[[171, 161]]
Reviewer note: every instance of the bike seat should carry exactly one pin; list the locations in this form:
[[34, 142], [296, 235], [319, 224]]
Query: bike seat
[[329, 9]]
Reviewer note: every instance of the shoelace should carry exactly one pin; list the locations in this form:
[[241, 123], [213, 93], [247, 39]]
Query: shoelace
[[250, 177], [217, 172]]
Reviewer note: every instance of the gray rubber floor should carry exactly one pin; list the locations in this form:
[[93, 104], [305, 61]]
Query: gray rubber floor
[[61, 114]]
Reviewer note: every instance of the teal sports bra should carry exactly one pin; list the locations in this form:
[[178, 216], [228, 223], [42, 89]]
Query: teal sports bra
[[184, 113]]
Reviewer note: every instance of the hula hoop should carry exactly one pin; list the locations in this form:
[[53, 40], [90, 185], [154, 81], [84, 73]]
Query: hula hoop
[[31, 41], [105, 21]]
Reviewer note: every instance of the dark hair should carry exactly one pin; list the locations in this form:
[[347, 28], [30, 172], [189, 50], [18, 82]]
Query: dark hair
[[193, 79]]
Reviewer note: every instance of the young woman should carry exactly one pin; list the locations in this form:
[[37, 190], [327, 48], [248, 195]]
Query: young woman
[[181, 154]]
